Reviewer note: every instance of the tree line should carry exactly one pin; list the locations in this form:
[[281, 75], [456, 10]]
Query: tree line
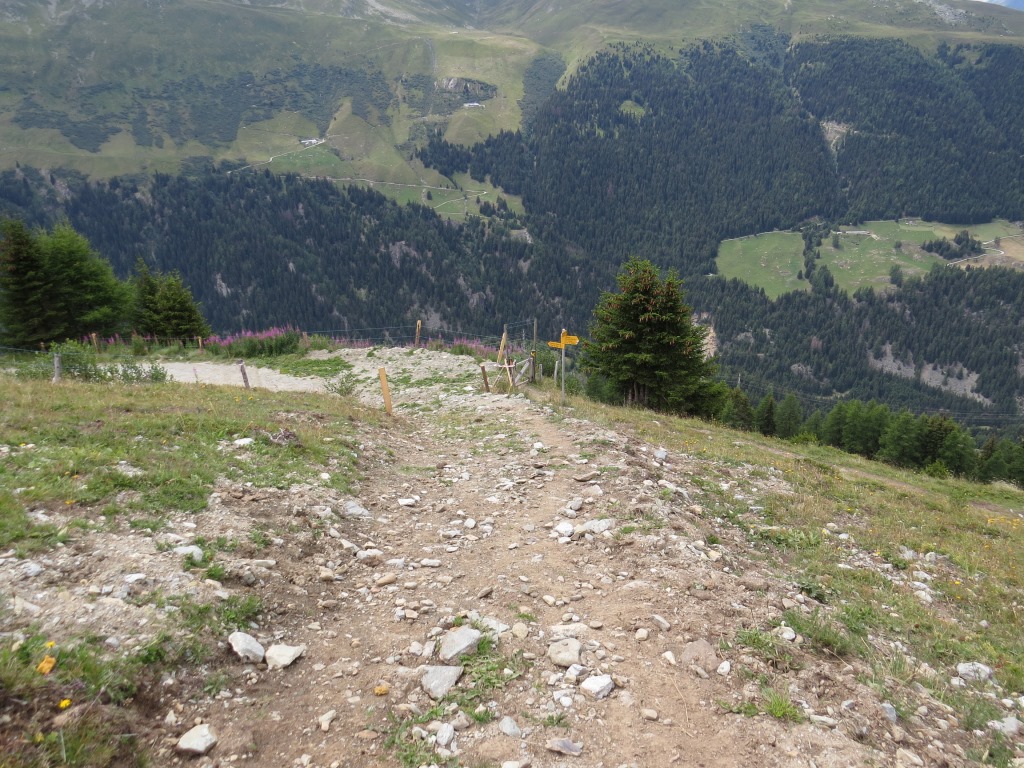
[[54, 287], [932, 443]]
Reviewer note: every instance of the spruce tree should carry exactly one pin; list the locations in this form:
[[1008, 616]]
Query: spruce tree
[[26, 314], [644, 341], [788, 417], [764, 416]]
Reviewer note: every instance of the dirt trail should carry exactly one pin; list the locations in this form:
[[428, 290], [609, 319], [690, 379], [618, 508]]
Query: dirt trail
[[501, 514]]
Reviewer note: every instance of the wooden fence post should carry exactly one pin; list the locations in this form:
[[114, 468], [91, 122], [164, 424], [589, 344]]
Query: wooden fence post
[[501, 348], [245, 376], [419, 326], [384, 390], [57, 370], [487, 384]]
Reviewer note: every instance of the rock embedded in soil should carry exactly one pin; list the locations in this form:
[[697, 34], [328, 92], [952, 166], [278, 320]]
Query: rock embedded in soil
[[565, 653], [326, 719], [458, 641], [445, 735], [973, 671], [197, 741], [437, 681], [509, 727], [281, 656], [598, 686], [564, 747], [246, 646]]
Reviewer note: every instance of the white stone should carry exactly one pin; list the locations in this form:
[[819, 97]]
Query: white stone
[[458, 641], [598, 686], [437, 681], [191, 550], [326, 719], [565, 528], [280, 656], [1008, 726], [662, 623], [973, 671], [197, 741], [445, 735], [598, 526], [724, 669], [246, 646]]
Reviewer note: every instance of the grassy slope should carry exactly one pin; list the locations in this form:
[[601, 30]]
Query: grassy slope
[[975, 530], [772, 260], [137, 47]]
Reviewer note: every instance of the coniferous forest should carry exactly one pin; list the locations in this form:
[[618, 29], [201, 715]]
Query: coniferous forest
[[644, 155]]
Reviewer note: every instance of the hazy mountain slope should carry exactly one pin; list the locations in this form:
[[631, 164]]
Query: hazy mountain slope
[[115, 87]]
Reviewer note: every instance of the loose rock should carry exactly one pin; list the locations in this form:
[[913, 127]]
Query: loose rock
[[197, 741], [281, 656], [565, 653], [246, 646]]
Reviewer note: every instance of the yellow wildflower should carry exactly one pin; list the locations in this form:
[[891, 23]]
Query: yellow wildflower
[[65, 703]]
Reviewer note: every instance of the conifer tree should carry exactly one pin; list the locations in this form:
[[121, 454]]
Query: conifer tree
[[25, 314], [764, 416], [644, 341], [788, 417]]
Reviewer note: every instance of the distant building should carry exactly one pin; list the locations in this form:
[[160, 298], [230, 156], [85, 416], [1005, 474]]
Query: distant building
[[311, 142]]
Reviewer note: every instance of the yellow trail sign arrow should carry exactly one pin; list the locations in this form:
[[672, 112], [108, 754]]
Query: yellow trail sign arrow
[[567, 339], [556, 345]]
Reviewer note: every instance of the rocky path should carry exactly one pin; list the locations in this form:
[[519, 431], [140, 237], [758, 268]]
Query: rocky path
[[578, 566]]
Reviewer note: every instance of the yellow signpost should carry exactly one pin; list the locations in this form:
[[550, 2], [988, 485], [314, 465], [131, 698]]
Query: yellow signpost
[[565, 341]]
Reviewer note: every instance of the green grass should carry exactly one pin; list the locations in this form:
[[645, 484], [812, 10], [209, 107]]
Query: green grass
[[777, 704], [82, 676], [773, 260], [66, 459]]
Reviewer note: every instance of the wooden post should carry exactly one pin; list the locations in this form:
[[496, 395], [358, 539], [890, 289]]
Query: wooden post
[[200, 340], [540, 371], [556, 372], [95, 342], [384, 390], [533, 369], [245, 376], [501, 347], [419, 325], [511, 382], [563, 373], [57, 370], [487, 384]]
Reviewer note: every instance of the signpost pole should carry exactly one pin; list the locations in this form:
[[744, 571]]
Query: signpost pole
[[563, 374]]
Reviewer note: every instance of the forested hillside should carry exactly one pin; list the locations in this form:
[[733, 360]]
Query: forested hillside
[[262, 250], [666, 157], [646, 155]]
